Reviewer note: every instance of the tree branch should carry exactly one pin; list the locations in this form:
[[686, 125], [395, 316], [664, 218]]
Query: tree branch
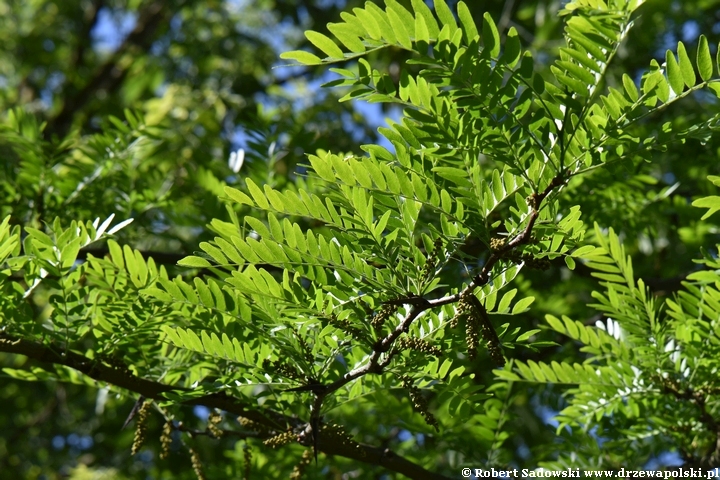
[[309, 433], [155, 390], [376, 363]]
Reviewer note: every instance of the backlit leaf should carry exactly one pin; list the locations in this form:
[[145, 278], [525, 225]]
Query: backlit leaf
[[704, 59], [490, 35], [324, 43], [688, 73], [675, 76], [305, 58], [468, 24]]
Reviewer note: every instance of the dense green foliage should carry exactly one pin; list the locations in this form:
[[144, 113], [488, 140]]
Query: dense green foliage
[[534, 244]]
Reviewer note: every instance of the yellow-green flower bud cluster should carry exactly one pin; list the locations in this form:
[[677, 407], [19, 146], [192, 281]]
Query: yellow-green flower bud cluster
[[280, 439], [472, 336], [166, 440], [528, 259], [247, 460], [480, 317], [337, 434], [460, 311], [282, 368], [386, 311], [497, 243], [254, 426], [419, 402], [432, 261], [493, 344], [346, 326], [196, 464], [213, 420], [300, 467], [418, 344], [465, 309], [141, 427], [536, 263], [477, 323]]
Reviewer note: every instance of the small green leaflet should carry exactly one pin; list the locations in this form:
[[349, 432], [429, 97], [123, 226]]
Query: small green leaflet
[[468, 24], [712, 203], [570, 262], [302, 57], [325, 44], [688, 73], [674, 74], [490, 35], [704, 60]]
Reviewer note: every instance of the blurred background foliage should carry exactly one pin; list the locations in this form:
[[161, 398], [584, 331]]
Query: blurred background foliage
[[133, 107]]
